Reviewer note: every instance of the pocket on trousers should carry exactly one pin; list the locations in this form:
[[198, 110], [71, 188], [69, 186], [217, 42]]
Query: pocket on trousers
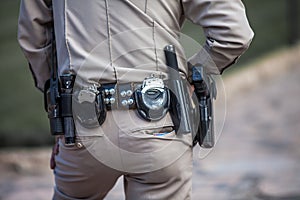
[[160, 132], [137, 126]]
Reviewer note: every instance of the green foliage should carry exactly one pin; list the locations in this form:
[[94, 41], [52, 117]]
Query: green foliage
[[268, 19], [23, 120]]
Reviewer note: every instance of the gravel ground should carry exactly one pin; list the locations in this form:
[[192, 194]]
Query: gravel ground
[[257, 156]]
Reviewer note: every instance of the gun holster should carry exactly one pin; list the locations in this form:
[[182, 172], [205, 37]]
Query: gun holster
[[205, 90]]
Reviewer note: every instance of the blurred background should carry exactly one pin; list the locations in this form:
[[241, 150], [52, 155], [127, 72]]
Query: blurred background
[[24, 124]]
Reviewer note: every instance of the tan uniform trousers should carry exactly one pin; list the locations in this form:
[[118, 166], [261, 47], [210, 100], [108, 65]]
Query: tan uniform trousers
[[154, 166]]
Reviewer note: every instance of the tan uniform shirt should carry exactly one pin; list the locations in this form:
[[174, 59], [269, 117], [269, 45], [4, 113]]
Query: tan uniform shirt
[[104, 40]]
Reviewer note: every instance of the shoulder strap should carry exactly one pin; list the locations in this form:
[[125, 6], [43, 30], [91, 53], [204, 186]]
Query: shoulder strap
[[54, 70]]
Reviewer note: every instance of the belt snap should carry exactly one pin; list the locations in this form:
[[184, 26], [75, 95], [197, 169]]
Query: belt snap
[[119, 96], [79, 145]]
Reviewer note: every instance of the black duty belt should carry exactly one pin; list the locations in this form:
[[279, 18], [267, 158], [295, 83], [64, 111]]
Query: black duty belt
[[91, 104], [151, 99], [119, 96]]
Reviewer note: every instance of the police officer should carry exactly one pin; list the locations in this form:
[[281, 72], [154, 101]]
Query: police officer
[[121, 42]]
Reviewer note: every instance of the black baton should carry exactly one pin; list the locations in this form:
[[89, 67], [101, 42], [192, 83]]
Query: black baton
[[179, 104]]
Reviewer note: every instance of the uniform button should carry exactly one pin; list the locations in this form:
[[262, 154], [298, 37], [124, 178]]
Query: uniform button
[[79, 145]]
